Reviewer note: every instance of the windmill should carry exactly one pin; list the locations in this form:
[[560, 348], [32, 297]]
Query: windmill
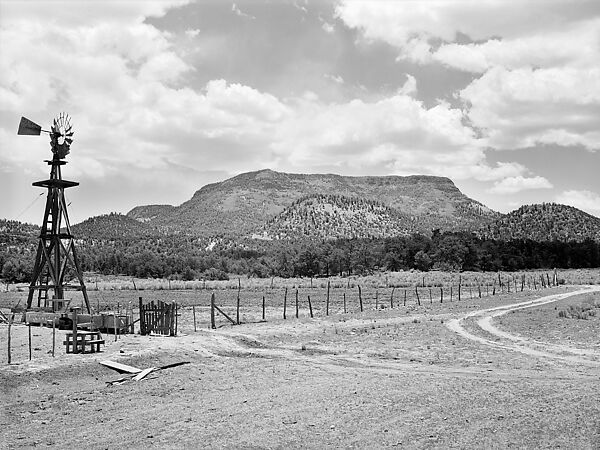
[[56, 263]]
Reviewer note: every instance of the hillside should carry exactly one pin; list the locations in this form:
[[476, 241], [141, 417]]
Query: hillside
[[326, 216], [544, 222], [112, 226], [242, 204], [15, 233]]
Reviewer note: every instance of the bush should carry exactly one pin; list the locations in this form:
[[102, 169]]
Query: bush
[[214, 274]]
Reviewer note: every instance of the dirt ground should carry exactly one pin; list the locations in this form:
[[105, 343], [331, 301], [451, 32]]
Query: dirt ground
[[498, 372]]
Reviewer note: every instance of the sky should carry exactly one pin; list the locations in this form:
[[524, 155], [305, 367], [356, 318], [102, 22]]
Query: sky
[[501, 96]]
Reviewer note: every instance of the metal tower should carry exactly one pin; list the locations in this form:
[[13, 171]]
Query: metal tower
[[56, 264]]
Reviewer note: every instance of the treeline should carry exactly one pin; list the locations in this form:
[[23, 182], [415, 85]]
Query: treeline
[[183, 258]]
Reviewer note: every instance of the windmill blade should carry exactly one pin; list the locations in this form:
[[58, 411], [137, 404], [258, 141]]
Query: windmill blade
[[29, 128]]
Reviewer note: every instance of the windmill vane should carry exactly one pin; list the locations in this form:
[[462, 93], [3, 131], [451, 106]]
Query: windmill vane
[[61, 134]]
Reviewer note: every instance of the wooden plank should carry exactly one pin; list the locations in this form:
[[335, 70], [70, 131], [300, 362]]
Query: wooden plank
[[144, 373], [226, 316], [120, 367]]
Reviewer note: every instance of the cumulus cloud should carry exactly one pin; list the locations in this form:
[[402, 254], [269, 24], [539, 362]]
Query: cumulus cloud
[[512, 185], [585, 200], [537, 66]]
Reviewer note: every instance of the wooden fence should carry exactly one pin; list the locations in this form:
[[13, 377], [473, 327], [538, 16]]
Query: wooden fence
[[159, 318]]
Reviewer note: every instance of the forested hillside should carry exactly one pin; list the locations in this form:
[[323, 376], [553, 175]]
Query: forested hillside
[[544, 222], [330, 216]]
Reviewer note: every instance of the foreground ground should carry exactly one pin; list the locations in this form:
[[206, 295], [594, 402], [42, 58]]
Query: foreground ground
[[435, 376]]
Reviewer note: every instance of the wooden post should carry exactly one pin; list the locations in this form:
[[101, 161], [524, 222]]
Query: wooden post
[[327, 304], [10, 321], [360, 298], [404, 304], [29, 329], [212, 311], [296, 303], [548, 278], [392, 297], [423, 280], [417, 293], [74, 319], [263, 308], [441, 294], [430, 297], [54, 336], [237, 312], [459, 286], [284, 303], [194, 312], [142, 322], [450, 293], [344, 303], [115, 325], [310, 307], [376, 299]]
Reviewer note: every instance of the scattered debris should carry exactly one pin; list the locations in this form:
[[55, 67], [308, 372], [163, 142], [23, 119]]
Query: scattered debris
[[134, 373]]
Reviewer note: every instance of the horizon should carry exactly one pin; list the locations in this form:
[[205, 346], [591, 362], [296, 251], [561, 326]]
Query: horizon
[[169, 96]]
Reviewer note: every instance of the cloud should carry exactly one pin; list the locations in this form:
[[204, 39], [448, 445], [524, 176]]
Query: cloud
[[335, 78], [536, 67], [407, 24], [239, 12], [192, 33], [512, 185], [585, 200], [525, 107], [409, 87]]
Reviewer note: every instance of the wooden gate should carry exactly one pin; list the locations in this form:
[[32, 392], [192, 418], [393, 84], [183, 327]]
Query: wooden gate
[[159, 318]]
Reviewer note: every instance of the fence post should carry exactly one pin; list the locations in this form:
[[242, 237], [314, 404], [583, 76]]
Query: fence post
[[430, 297], [392, 297], [194, 312], [284, 303], [441, 295], [237, 316], [212, 311], [263, 308], [54, 335], [74, 319], [142, 322], [459, 286], [10, 321], [376, 299], [327, 304], [29, 328], [360, 298], [417, 292], [404, 304], [344, 303], [296, 303], [310, 307]]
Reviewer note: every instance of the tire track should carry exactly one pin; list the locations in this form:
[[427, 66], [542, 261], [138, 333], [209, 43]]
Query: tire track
[[522, 344]]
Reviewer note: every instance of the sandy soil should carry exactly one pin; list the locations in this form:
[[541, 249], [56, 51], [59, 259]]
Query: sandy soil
[[469, 374]]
